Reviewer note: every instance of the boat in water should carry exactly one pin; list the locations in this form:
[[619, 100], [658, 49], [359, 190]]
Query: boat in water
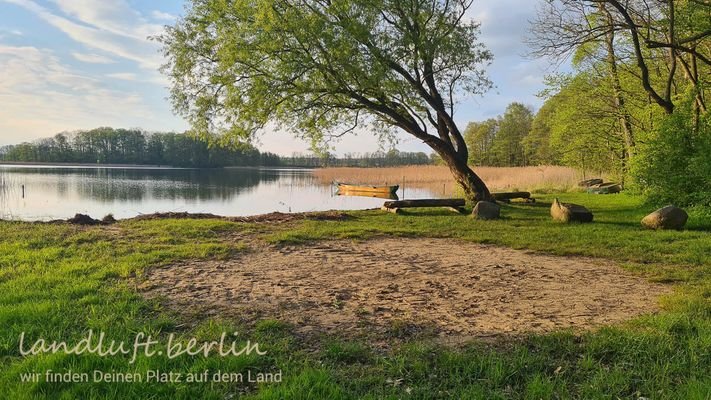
[[379, 195], [349, 187], [383, 192]]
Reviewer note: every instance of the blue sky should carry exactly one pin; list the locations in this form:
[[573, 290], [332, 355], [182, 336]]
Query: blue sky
[[79, 64]]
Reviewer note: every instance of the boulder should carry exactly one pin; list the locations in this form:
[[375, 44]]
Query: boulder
[[486, 210], [590, 182], [566, 212], [668, 217]]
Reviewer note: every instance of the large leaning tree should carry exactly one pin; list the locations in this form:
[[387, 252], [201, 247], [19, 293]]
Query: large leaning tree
[[324, 68]]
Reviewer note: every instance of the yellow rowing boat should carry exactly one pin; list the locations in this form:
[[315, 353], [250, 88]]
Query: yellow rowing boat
[[379, 195], [347, 187]]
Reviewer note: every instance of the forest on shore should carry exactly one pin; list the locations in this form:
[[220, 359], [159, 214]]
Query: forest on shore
[[137, 147], [134, 147]]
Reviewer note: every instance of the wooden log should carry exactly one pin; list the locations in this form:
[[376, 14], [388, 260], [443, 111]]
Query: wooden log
[[590, 182], [511, 195], [392, 210], [424, 203]]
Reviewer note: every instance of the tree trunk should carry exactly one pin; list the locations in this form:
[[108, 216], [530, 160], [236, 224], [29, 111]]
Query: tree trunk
[[617, 92], [474, 188]]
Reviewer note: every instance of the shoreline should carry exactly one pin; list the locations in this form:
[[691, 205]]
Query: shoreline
[[83, 165], [271, 217], [138, 166]]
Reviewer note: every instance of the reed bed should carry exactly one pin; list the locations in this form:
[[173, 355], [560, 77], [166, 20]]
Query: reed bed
[[439, 179]]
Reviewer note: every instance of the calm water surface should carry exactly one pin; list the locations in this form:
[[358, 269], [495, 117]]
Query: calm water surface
[[61, 192]]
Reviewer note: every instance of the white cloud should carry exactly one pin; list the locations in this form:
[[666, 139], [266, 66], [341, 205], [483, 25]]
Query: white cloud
[[504, 25], [9, 32], [162, 16], [30, 68], [126, 76], [13, 32], [41, 96], [114, 16], [99, 31], [153, 78], [92, 58]]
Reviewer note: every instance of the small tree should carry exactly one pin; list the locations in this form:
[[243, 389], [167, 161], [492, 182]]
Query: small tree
[[323, 68], [480, 138], [514, 126]]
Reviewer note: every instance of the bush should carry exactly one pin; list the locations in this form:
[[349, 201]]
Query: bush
[[674, 164]]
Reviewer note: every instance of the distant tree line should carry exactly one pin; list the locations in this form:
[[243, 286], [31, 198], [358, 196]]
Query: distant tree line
[[390, 158], [562, 132], [134, 146]]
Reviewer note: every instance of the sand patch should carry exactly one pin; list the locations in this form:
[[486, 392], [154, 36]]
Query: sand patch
[[457, 288]]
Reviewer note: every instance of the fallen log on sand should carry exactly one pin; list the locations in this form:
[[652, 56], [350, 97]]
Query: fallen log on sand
[[451, 202], [395, 206], [425, 203], [456, 205]]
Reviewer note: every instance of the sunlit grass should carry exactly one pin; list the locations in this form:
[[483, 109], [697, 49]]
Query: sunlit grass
[[58, 281]]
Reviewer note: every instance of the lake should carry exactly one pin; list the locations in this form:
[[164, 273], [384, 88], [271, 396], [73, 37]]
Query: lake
[[59, 192]]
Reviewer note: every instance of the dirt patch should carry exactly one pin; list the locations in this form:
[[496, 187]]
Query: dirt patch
[[456, 288]]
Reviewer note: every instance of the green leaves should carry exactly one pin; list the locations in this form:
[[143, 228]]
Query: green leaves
[[674, 163], [320, 68]]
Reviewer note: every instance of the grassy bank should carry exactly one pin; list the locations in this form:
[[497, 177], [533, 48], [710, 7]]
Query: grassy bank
[[438, 179], [59, 281]]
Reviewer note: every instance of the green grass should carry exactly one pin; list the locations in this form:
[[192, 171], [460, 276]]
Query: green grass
[[59, 281]]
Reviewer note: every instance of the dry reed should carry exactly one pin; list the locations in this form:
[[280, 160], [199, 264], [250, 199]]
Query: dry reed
[[534, 179]]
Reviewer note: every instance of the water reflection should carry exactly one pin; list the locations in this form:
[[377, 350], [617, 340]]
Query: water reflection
[[59, 192], [109, 185]]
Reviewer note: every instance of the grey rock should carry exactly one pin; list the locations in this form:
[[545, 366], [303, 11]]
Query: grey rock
[[668, 217], [486, 210], [566, 212]]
